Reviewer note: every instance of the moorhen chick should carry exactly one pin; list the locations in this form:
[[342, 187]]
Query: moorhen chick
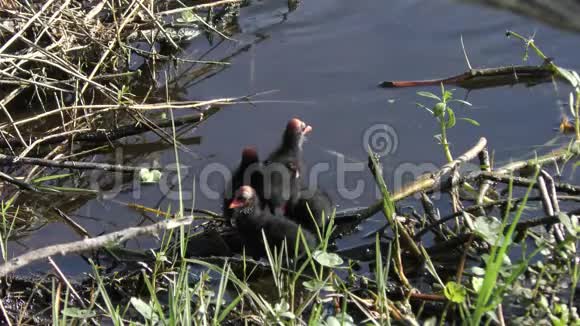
[[250, 220], [247, 173], [320, 205], [282, 170]]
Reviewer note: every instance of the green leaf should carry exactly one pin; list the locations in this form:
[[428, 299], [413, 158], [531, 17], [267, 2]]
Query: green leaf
[[568, 223], [429, 95], [447, 96], [149, 176], [462, 102], [145, 310], [473, 122], [476, 270], [488, 228], [51, 177], [282, 309], [424, 107], [78, 313], [332, 321], [451, 118], [476, 283], [288, 315], [543, 302], [316, 285], [430, 267], [327, 259], [188, 16], [340, 320], [569, 76], [576, 76], [455, 292]]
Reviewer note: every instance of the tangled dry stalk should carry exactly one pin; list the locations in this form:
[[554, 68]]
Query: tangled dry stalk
[[64, 67]]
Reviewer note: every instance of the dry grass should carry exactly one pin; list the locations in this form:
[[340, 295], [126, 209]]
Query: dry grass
[[64, 65]]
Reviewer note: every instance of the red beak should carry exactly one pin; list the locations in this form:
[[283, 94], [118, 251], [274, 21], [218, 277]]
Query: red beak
[[236, 203]]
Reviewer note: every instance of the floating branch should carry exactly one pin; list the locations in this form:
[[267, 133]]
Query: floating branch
[[486, 78]]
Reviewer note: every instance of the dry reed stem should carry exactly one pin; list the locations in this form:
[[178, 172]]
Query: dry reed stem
[[45, 138], [25, 27], [201, 6], [112, 107], [90, 244]]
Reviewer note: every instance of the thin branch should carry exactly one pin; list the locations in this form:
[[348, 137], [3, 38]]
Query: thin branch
[[90, 244]]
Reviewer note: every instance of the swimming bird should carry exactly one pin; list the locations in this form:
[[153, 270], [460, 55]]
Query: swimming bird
[[250, 220]]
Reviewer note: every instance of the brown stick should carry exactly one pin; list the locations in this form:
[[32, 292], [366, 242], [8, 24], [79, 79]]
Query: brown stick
[[427, 297], [485, 78]]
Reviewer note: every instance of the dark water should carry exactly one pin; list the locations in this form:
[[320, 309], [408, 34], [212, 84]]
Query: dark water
[[322, 62]]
